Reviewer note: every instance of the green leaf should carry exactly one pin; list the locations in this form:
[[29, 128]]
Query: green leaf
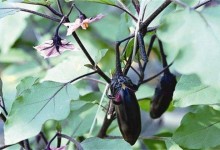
[[76, 124], [12, 75], [43, 101], [101, 53], [107, 144], [171, 145], [123, 29], [15, 56], [153, 144], [190, 91], [193, 39], [199, 130], [26, 84], [145, 91], [4, 11], [10, 32], [190, 3], [68, 69], [152, 6]]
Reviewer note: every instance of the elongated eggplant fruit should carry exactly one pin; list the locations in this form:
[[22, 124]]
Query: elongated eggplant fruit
[[127, 109], [163, 95]]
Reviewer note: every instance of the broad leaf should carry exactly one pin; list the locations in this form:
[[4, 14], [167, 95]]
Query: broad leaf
[[101, 53], [190, 3], [76, 124], [199, 130], [12, 75], [190, 91], [10, 32], [193, 39], [123, 28], [153, 144], [107, 144], [68, 69], [171, 145], [43, 101], [26, 84], [15, 56], [153, 5], [5, 11]]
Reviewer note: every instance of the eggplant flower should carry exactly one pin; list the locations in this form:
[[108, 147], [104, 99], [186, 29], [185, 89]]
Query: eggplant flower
[[83, 22], [54, 47]]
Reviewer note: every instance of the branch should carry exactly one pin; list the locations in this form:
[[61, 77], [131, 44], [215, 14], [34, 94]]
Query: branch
[[106, 123], [59, 7], [146, 23], [47, 6], [203, 3], [34, 12], [6, 146], [154, 76]]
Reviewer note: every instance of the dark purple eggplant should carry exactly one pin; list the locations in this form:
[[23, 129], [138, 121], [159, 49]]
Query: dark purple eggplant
[[163, 95], [127, 108]]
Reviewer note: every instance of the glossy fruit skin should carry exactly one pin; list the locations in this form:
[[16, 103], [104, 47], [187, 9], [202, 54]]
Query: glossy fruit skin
[[163, 95], [127, 108]]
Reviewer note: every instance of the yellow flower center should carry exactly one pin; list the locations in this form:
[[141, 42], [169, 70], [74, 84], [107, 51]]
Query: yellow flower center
[[85, 25]]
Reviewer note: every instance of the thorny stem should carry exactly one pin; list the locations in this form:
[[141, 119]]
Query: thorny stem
[[99, 71], [143, 54], [129, 62], [118, 62]]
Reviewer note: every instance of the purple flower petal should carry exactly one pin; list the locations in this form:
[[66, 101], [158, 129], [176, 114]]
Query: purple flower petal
[[83, 23], [97, 18], [48, 49], [72, 26]]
